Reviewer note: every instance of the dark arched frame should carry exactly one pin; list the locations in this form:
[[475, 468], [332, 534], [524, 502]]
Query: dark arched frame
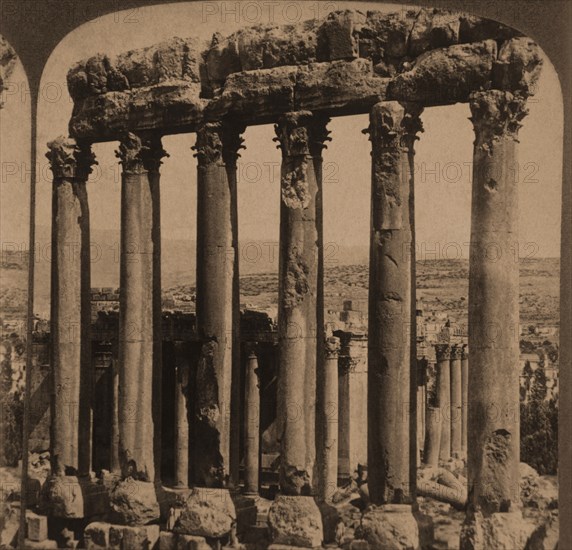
[[35, 27]]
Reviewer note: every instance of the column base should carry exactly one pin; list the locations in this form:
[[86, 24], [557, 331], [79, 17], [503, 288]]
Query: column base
[[391, 527], [134, 503], [295, 521], [101, 535], [499, 531]]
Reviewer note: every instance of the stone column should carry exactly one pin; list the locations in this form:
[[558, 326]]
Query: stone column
[[391, 466], [138, 331], [301, 136], [345, 365], [72, 376], [114, 462], [464, 398], [456, 402], [327, 416], [493, 422], [181, 417], [433, 423], [443, 353], [216, 421], [392, 380], [252, 426], [432, 444]]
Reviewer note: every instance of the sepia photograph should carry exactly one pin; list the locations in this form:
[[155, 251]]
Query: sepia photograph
[[285, 275]]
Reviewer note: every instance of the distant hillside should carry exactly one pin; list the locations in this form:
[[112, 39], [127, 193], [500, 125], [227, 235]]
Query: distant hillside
[[442, 285]]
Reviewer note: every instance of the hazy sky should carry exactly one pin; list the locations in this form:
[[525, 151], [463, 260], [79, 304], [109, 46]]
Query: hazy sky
[[443, 154]]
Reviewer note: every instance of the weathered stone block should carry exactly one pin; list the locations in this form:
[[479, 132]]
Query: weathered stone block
[[207, 513], [475, 29], [64, 497], [144, 537], [434, 28], [518, 66], [246, 512], [37, 526], [96, 536], [391, 527], [295, 521], [446, 75], [167, 540], [274, 46], [501, 531], [134, 503], [43, 545], [192, 542], [338, 36]]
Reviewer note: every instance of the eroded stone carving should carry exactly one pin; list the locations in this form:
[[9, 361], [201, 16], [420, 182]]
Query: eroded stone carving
[[68, 159], [496, 114], [219, 142], [139, 154]]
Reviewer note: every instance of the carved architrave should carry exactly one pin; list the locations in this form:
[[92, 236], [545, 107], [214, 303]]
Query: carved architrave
[[140, 154], [70, 159]]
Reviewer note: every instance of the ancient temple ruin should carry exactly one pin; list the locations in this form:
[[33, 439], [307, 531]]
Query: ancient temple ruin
[[391, 66]]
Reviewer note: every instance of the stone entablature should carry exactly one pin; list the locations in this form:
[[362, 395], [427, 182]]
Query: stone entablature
[[343, 65]]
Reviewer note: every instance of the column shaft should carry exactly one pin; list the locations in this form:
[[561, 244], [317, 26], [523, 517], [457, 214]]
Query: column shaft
[[138, 331], [456, 402], [252, 427], [327, 416], [464, 399], [114, 462], [443, 352], [216, 421], [432, 444], [71, 405], [391, 466], [181, 417], [493, 422], [301, 136]]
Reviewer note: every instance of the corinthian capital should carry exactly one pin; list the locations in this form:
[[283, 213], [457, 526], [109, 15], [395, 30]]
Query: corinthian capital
[[456, 352], [394, 125], [302, 133], [443, 352], [332, 347], [140, 154], [496, 115], [219, 142], [68, 159]]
